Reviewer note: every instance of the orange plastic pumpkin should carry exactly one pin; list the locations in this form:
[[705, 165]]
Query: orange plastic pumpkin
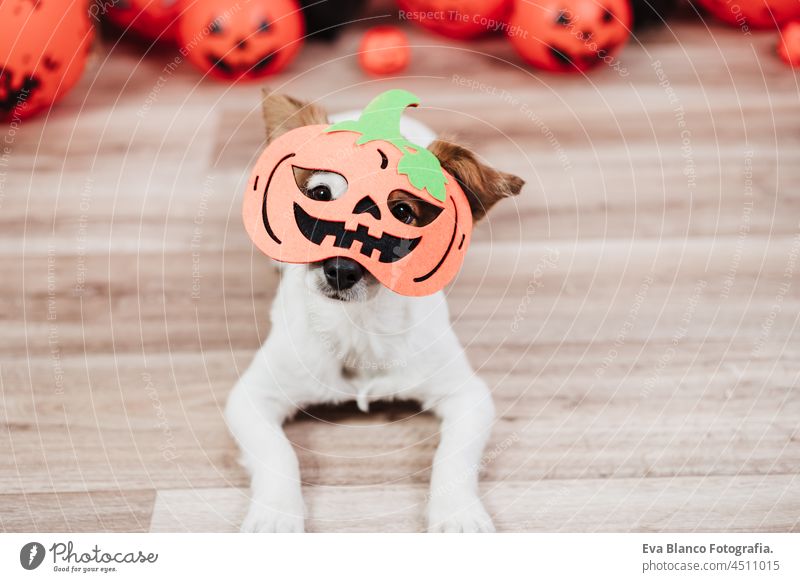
[[569, 35], [150, 19], [384, 50], [43, 50], [461, 19], [363, 214], [754, 14], [233, 40], [789, 44]]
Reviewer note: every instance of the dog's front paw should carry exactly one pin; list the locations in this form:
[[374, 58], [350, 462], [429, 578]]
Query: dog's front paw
[[449, 517], [272, 519]]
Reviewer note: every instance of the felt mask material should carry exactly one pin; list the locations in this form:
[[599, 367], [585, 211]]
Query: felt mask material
[[358, 189]]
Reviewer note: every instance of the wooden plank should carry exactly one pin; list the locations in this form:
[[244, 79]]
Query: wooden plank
[[689, 504], [94, 511]]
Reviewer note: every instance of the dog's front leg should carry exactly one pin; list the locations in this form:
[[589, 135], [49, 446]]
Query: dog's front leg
[[255, 418], [454, 504]]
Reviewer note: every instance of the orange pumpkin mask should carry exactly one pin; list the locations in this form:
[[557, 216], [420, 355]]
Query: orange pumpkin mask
[[358, 189], [239, 41], [44, 46]]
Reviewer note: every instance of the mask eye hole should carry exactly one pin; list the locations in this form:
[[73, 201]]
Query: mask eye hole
[[264, 26], [319, 185], [410, 209]]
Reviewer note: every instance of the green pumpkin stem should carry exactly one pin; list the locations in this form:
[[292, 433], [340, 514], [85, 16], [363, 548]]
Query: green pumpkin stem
[[380, 121]]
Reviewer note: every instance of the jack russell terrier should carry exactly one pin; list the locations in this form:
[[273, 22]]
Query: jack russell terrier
[[368, 228]]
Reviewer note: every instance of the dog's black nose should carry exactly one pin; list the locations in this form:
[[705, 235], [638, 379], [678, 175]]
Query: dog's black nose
[[342, 273]]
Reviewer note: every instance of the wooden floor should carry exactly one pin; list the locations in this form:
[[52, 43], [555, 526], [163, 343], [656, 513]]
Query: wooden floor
[[635, 311]]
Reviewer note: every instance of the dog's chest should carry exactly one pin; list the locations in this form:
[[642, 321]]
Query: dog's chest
[[368, 353]]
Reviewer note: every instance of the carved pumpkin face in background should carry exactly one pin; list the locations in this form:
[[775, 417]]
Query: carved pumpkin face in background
[[317, 193], [234, 40], [569, 35], [43, 49], [150, 19]]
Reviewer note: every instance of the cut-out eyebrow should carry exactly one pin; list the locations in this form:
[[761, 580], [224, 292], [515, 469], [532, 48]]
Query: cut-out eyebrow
[[384, 160]]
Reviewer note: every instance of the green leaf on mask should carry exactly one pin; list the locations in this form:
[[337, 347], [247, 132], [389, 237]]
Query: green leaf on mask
[[380, 121]]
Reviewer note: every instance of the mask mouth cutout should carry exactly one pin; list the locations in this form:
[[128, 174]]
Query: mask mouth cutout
[[390, 248]]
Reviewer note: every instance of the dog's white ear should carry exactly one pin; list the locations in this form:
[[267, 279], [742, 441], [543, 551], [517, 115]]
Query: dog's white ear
[[483, 185], [283, 113]]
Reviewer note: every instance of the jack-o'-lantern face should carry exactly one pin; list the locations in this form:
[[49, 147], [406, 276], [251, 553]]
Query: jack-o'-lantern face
[[560, 35], [241, 41], [319, 192], [44, 45]]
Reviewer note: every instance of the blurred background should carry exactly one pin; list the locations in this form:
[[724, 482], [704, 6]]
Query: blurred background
[[634, 310]]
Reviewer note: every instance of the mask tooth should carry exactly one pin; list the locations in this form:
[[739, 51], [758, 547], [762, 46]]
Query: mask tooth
[[375, 231], [368, 243], [351, 222]]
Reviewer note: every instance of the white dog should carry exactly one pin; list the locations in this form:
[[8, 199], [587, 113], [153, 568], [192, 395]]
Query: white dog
[[339, 335]]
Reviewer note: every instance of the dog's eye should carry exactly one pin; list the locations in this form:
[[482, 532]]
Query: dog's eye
[[404, 213], [410, 209], [326, 186], [319, 184]]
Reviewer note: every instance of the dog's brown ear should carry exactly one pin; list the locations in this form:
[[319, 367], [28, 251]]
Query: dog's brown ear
[[283, 113], [483, 185]]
